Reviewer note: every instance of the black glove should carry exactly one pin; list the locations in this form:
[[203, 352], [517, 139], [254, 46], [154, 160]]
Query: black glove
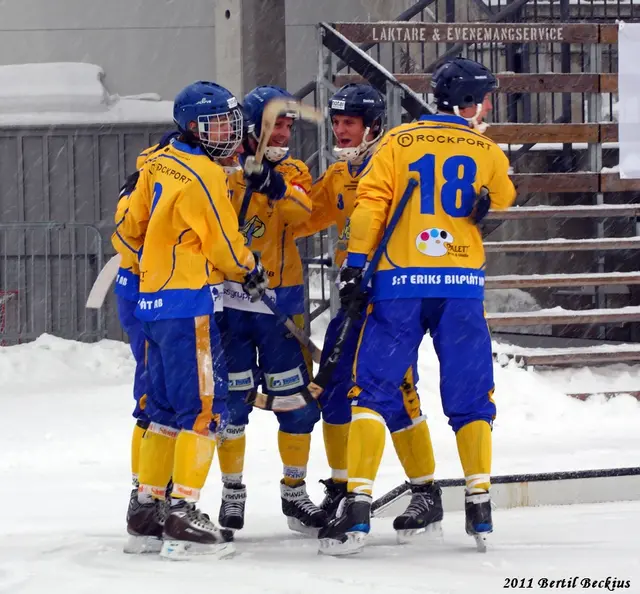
[[255, 283], [351, 294], [481, 206], [264, 179]]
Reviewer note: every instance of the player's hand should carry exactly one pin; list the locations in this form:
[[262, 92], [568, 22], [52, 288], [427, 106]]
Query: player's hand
[[351, 294], [481, 206], [256, 282], [264, 179]]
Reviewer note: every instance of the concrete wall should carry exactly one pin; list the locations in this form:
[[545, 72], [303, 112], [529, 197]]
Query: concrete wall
[[302, 17], [142, 45]]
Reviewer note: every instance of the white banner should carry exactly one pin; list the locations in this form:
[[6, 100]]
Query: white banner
[[629, 99]]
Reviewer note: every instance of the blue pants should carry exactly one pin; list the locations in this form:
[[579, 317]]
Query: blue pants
[[392, 334], [336, 406], [282, 369], [187, 373], [133, 328]]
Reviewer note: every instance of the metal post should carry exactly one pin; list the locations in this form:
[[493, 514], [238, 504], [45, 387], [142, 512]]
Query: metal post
[[324, 82], [594, 115], [394, 106]]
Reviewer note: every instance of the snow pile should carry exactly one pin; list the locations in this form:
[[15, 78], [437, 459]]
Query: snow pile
[[70, 93], [509, 300], [49, 360]]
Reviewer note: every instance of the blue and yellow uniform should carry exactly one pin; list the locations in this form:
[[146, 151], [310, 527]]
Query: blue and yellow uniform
[[128, 285], [181, 224], [334, 197], [431, 278], [126, 290], [252, 333]]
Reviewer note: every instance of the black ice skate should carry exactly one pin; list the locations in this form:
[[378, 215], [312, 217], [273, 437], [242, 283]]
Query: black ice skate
[[145, 523], [346, 534], [334, 493], [477, 509], [423, 514], [188, 532], [133, 503], [303, 515], [231, 516]]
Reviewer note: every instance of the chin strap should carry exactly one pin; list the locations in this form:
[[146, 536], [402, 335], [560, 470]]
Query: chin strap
[[357, 154], [479, 126]]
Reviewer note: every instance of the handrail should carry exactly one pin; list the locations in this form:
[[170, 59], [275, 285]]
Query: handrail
[[367, 67], [403, 16]]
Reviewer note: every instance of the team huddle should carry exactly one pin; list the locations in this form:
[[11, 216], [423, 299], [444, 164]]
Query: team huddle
[[207, 228]]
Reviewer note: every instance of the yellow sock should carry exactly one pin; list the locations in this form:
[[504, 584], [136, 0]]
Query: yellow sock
[[136, 442], [336, 438], [366, 445], [415, 452], [156, 459], [294, 452], [474, 449], [231, 454], [194, 453]]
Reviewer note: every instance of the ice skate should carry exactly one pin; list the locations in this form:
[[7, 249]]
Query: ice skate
[[347, 533], [145, 523], [477, 509], [231, 516], [188, 532], [334, 493], [423, 514], [303, 515]]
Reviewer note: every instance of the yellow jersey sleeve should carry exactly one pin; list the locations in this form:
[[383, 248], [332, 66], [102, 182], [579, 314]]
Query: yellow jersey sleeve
[[295, 206], [374, 196], [501, 188], [322, 214]]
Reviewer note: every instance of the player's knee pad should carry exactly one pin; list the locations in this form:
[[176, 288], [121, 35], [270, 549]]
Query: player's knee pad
[[240, 386], [285, 383], [299, 421]]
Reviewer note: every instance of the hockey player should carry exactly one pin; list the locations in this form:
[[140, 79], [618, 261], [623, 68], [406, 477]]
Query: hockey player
[[126, 290], [431, 279], [270, 200], [357, 114], [181, 222]]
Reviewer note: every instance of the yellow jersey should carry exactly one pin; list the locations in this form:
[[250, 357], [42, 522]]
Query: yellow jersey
[[436, 249], [333, 197], [268, 229], [128, 278], [180, 212]]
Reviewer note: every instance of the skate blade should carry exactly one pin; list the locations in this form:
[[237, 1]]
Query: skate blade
[[180, 550], [481, 542], [297, 526], [354, 544], [140, 545], [432, 532]]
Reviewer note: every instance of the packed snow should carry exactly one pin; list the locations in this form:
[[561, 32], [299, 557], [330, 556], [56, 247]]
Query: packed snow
[[71, 93], [64, 439]]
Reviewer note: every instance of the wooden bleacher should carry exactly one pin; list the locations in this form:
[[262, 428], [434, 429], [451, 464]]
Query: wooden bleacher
[[584, 182]]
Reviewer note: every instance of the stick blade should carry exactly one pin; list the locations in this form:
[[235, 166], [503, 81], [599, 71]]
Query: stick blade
[[103, 283], [292, 108]]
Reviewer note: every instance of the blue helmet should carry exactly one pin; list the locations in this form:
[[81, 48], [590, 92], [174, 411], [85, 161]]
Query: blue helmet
[[462, 83], [363, 101], [255, 101], [216, 113], [359, 100]]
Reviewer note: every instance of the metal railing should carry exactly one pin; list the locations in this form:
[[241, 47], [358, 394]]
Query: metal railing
[[46, 273]]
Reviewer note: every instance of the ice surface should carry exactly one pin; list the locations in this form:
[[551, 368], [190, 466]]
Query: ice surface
[[64, 437]]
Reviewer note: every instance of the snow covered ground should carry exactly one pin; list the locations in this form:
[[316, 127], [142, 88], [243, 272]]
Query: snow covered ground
[[64, 438]]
